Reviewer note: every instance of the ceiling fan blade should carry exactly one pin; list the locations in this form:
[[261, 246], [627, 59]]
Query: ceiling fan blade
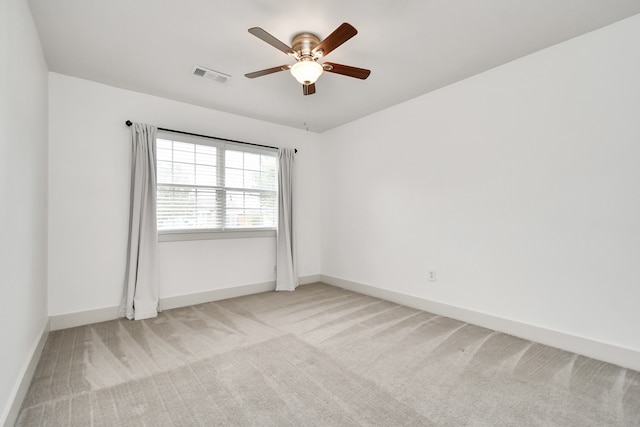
[[266, 37], [341, 34], [309, 89], [346, 70], [267, 71]]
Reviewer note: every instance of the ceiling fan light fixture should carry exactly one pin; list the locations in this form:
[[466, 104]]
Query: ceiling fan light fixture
[[306, 48], [306, 72]]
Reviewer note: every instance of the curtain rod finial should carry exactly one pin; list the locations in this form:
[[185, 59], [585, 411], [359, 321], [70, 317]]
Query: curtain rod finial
[[128, 123]]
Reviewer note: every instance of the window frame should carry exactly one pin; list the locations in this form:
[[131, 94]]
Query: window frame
[[215, 233]]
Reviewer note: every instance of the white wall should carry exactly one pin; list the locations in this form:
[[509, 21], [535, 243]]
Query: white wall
[[23, 197], [89, 196], [519, 186]]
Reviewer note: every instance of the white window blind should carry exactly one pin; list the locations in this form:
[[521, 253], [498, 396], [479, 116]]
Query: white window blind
[[210, 185]]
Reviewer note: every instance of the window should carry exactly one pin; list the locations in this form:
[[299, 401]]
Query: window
[[207, 185]]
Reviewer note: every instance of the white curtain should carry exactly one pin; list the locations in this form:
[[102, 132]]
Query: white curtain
[[140, 298], [286, 270]]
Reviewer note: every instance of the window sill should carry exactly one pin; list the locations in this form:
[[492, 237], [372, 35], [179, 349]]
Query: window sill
[[178, 236]]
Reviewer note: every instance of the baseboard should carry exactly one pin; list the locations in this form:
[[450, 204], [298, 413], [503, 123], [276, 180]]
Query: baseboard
[[606, 352], [12, 410], [307, 280], [216, 295], [70, 320]]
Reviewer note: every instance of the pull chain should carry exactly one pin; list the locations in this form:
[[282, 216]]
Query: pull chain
[[306, 113]]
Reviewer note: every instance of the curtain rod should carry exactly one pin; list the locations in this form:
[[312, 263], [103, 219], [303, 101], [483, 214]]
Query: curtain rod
[[129, 123]]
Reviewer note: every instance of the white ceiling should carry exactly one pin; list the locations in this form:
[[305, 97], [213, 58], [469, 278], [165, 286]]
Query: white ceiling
[[411, 46]]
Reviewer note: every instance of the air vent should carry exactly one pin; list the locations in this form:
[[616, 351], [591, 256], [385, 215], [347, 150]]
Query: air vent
[[211, 74]]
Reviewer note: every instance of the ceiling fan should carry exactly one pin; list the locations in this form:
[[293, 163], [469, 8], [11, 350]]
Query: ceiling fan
[[307, 50]]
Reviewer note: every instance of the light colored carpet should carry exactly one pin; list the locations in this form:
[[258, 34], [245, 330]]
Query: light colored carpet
[[318, 356]]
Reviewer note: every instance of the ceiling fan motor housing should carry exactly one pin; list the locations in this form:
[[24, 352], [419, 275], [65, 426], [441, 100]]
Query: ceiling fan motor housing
[[304, 43]]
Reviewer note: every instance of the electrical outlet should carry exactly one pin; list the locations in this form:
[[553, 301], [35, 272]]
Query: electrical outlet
[[432, 276]]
